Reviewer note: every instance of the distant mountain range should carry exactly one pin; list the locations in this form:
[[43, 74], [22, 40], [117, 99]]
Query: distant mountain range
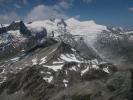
[[69, 59]]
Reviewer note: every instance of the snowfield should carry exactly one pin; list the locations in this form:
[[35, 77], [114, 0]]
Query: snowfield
[[89, 29]]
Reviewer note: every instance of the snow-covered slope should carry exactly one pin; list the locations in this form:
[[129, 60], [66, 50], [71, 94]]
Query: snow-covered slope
[[88, 29], [55, 58], [38, 25], [10, 35]]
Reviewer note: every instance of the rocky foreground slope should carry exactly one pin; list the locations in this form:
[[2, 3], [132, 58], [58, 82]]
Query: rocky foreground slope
[[60, 63]]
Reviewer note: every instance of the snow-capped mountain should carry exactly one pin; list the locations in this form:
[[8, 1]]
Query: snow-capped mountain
[[116, 46], [55, 59], [57, 56], [88, 29], [16, 37]]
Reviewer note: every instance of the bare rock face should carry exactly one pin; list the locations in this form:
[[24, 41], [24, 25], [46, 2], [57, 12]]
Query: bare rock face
[[2, 30], [58, 78], [19, 26], [16, 38], [29, 84]]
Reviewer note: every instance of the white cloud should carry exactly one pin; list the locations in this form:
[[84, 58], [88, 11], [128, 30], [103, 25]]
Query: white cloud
[[64, 4], [42, 12], [77, 17], [8, 18], [130, 9], [68, 3]]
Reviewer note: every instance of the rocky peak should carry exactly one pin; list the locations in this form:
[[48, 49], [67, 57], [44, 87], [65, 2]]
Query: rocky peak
[[19, 25]]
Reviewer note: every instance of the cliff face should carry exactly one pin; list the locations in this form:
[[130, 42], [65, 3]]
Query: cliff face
[[19, 26]]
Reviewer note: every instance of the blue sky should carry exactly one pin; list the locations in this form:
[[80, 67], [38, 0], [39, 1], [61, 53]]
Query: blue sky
[[106, 12]]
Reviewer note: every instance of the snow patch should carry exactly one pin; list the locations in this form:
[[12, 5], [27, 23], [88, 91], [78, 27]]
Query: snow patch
[[15, 59], [66, 72], [43, 60], [65, 82], [42, 72], [57, 62], [84, 71], [73, 50], [69, 58], [54, 67], [48, 72], [95, 67], [15, 33], [95, 63], [106, 70], [34, 61], [73, 68], [3, 71], [48, 79]]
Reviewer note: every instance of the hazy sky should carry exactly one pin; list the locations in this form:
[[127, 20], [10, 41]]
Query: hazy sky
[[106, 12]]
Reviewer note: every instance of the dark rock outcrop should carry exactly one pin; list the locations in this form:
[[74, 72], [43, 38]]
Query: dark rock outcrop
[[19, 26], [3, 30]]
